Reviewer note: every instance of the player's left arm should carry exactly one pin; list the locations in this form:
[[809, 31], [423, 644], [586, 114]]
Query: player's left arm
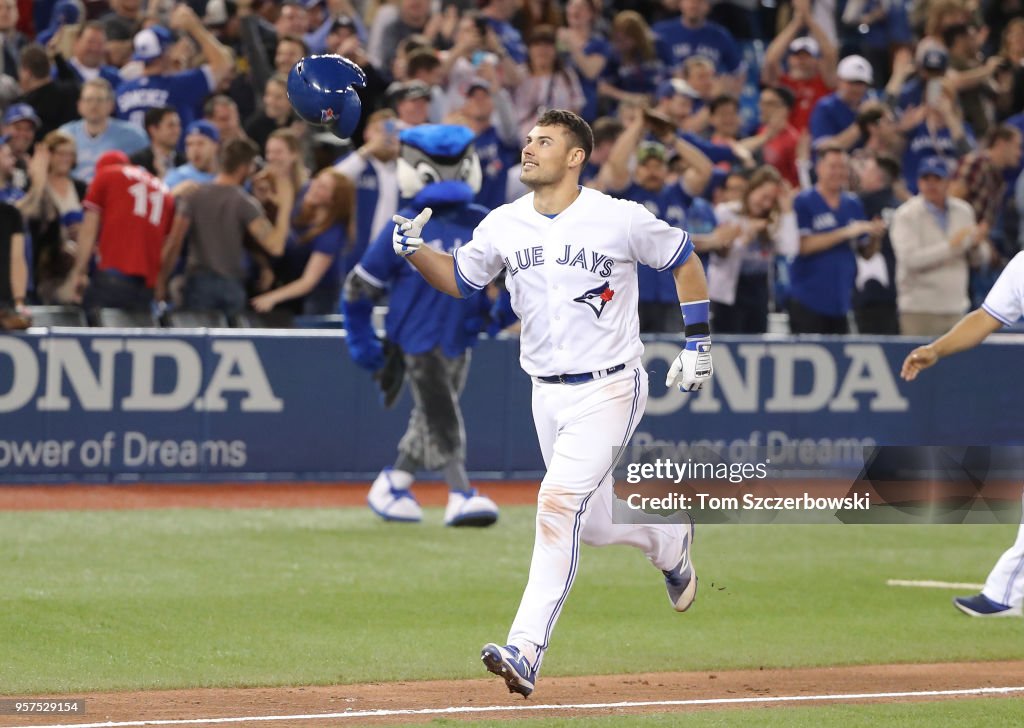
[[693, 365]]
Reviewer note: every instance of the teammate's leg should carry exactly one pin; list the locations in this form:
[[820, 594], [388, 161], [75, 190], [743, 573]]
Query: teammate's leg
[[1005, 584]]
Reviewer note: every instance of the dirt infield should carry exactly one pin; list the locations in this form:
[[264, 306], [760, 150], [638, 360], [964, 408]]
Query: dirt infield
[[486, 697], [420, 702]]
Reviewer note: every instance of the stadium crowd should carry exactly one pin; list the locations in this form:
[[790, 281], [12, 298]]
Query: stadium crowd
[[837, 162]]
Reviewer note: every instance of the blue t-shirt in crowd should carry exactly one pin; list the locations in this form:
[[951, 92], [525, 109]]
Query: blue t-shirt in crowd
[[119, 134], [185, 91], [923, 143], [634, 78], [831, 116], [676, 43], [421, 318], [668, 204], [596, 45], [367, 196], [823, 282], [331, 242], [911, 94], [496, 157], [187, 173], [510, 38]]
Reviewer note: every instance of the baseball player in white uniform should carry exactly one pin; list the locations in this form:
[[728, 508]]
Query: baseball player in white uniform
[[1003, 593], [570, 256]]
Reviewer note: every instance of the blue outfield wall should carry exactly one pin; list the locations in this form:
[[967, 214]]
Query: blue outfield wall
[[108, 404]]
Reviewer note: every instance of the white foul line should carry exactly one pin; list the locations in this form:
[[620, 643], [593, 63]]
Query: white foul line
[[934, 584], [518, 708]]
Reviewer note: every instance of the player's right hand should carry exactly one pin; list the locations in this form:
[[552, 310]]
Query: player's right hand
[[920, 358], [407, 237]]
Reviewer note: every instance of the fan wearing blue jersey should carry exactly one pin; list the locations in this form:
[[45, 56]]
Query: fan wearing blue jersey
[[488, 112], [433, 332], [692, 34], [649, 186], [184, 91], [834, 118], [832, 225], [1003, 593]]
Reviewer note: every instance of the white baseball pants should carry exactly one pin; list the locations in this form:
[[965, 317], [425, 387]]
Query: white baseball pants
[[580, 426], [1006, 582]]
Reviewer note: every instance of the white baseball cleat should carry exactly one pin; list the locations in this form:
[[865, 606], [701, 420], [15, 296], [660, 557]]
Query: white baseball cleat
[[469, 508], [391, 499]]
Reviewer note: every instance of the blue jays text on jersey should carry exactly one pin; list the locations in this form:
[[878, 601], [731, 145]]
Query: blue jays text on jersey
[[580, 257]]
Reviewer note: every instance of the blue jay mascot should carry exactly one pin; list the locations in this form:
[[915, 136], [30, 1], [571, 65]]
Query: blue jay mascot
[[438, 170]]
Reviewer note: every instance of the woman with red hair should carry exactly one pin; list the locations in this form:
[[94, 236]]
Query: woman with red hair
[[311, 267]]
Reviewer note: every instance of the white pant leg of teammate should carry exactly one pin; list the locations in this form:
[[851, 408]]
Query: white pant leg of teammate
[[1005, 585], [579, 428]]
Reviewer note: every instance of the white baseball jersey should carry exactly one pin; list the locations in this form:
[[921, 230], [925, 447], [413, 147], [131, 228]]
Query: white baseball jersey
[[572, 277], [1005, 302]]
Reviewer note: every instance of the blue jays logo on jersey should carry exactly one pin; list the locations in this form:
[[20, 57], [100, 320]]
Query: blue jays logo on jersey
[[597, 298]]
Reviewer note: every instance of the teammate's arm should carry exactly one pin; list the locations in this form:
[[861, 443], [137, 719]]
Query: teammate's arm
[[969, 331]]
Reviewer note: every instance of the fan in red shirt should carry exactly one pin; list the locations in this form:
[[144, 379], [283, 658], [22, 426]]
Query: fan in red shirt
[[781, 139], [810, 61], [129, 212]]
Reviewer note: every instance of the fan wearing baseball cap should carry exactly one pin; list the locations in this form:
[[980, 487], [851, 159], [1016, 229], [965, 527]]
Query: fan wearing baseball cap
[[804, 64], [834, 119], [649, 186], [185, 91], [202, 147], [934, 236]]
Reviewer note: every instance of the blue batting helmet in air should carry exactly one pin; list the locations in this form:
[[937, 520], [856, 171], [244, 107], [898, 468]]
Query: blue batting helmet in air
[[320, 89]]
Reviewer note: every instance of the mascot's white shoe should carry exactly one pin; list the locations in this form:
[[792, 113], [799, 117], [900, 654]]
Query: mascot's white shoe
[[391, 499], [469, 508]]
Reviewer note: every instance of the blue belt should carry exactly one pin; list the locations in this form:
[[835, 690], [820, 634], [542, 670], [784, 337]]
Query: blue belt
[[580, 378]]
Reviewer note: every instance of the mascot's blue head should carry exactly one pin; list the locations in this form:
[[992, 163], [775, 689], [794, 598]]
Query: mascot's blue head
[[438, 165], [321, 90]]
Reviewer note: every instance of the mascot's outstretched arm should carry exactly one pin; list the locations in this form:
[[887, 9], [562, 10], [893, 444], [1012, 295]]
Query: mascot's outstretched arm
[[357, 300]]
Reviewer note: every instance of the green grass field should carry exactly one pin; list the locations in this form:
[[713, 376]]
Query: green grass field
[[182, 598]]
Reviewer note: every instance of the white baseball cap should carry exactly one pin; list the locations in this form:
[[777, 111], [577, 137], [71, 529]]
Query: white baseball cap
[[150, 43], [805, 44], [855, 69]]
